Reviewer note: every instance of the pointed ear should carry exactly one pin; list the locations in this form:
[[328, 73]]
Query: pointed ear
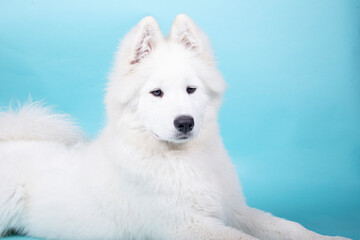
[[185, 32], [145, 37]]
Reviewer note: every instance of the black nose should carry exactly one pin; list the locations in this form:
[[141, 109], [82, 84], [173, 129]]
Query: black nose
[[184, 123]]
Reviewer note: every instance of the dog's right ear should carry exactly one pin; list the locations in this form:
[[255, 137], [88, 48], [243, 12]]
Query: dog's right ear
[[143, 39], [138, 44]]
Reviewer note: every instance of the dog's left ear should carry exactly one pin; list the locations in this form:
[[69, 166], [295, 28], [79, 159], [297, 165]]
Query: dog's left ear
[[185, 32]]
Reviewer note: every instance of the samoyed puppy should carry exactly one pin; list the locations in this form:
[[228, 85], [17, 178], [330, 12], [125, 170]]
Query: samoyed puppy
[[158, 170]]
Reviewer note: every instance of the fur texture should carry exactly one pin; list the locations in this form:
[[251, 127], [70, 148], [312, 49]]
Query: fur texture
[[32, 121], [142, 178]]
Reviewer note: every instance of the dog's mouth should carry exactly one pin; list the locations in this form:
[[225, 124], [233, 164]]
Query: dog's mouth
[[183, 137], [178, 138]]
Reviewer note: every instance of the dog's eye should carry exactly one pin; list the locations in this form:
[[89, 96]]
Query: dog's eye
[[190, 90], [157, 93]]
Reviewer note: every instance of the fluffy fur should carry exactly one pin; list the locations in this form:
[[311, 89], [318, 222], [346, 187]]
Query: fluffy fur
[[32, 121], [141, 178]]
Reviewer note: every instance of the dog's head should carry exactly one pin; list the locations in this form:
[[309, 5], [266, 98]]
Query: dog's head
[[169, 87]]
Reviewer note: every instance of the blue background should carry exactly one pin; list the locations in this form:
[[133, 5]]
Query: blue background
[[291, 114]]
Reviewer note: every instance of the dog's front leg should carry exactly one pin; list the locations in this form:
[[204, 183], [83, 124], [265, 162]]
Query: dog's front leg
[[265, 226], [210, 230]]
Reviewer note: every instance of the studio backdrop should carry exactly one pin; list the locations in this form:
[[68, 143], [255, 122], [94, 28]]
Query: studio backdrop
[[291, 113]]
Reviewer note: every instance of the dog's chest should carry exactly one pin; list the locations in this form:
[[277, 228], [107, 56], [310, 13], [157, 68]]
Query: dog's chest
[[165, 188]]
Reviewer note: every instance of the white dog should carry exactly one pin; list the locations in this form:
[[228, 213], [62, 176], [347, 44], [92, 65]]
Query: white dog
[[158, 170]]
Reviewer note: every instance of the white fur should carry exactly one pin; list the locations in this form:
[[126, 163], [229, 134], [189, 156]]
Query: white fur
[[137, 180], [33, 121]]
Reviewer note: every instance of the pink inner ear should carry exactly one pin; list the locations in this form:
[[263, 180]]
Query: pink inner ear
[[188, 43], [185, 37], [144, 47]]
